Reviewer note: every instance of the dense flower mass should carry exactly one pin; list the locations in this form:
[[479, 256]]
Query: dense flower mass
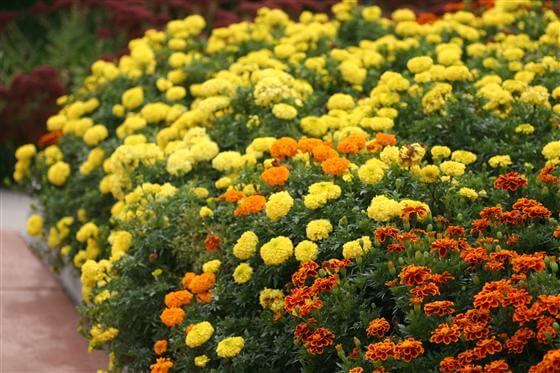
[[355, 193]]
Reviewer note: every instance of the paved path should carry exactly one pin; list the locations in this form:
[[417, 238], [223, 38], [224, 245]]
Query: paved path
[[37, 320]]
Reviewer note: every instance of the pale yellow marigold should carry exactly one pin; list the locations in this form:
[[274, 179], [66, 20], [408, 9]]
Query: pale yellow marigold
[[246, 245], [277, 250], [318, 229]]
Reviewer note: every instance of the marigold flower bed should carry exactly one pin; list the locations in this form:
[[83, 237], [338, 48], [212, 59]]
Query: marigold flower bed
[[351, 194]]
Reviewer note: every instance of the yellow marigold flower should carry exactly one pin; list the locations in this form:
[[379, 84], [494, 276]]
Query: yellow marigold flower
[[439, 151], [225, 160], [201, 192], [279, 205], [205, 212], [246, 245], [175, 93], [306, 251], [352, 73], [272, 299], [499, 161], [277, 250], [525, 129], [377, 124], [356, 248], [199, 334], [390, 154], [133, 97], [371, 13], [402, 15], [551, 150], [284, 111], [35, 225], [341, 101], [315, 201], [179, 162], [223, 182], [25, 152], [383, 209], [95, 135], [318, 229], [58, 173], [230, 347], [452, 168], [463, 156], [468, 193], [53, 154], [372, 171], [242, 273], [211, 266], [418, 65], [120, 241], [427, 174], [201, 361]]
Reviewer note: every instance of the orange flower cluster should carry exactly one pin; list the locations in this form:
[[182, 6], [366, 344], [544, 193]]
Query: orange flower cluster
[[250, 205], [160, 347], [510, 181], [284, 147], [200, 285], [231, 195], [352, 144], [172, 316], [212, 243], [405, 350], [178, 298]]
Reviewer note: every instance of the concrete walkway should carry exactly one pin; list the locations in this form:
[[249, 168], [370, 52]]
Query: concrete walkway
[[37, 319]]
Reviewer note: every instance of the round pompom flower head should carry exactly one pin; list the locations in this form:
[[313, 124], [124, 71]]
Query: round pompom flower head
[[230, 347]]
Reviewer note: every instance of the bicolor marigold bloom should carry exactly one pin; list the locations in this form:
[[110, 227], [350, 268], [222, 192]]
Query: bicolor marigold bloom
[[380, 351], [284, 147], [487, 347], [449, 365], [383, 233], [549, 363], [408, 349], [517, 342], [378, 327], [445, 334], [510, 181], [250, 205], [445, 245], [335, 166], [352, 144], [413, 275], [172, 316], [527, 262], [439, 308], [318, 340], [497, 366], [276, 175], [545, 176]]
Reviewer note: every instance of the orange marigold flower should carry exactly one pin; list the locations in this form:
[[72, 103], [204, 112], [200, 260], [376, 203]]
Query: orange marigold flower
[[172, 316], [187, 279], [412, 275], [306, 144], [548, 303], [444, 245], [250, 205], [455, 231], [453, 7], [162, 365], [204, 298], [324, 284], [160, 347], [510, 181], [445, 334], [323, 152], [318, 340], [474, 255], [276, 175], [231, 195], [335, 166], [380, 351], [448, 365], [546, 332], [549, 363], [423, 290], [356, 370], [517, 342], [212, 243], [475, 331], [382, 233], [537, 212], [556, 233], [352, 144], [305, 270], [487, 347], [439, 308], [284, 147], [385, 139], [202, 283], [426, 18], [408, 349], [545, 176], [50, 138], [527, 262], [178, 298], [378, 327], [497, 366]]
